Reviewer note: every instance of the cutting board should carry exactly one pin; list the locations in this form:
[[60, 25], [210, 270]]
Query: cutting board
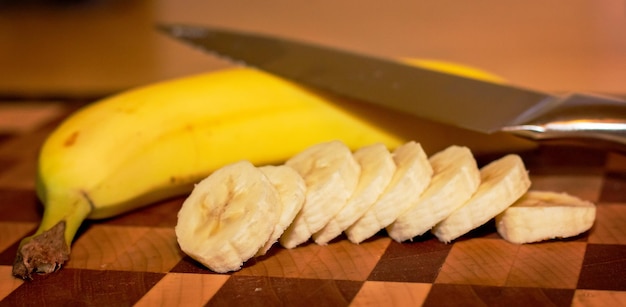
[[134, 259]]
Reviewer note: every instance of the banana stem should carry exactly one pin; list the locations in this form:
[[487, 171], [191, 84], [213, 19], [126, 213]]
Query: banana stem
[[48, 249]]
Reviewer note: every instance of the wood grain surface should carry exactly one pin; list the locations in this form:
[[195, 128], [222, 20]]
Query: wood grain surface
[[134, 259]]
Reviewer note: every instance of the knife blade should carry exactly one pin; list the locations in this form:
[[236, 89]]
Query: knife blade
[[463, 102]]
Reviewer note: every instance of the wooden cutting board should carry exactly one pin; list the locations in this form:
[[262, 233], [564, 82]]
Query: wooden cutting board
[[134, 259]]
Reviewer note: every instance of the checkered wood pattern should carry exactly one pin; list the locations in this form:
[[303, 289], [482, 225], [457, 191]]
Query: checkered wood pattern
[[134, 259]]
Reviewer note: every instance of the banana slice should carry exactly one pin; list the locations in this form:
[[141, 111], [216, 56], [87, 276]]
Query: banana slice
[[331, 174], [540, 215], [291, 190], [456, 178], [412, 176], [228, 217], [377, 169], [503, 181]]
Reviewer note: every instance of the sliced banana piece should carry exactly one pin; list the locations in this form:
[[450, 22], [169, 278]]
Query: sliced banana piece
[[291, 190], [541, 215], [413, 174], [456, 177], [331, 174], [503, 181], [228, 216], [377, 169]]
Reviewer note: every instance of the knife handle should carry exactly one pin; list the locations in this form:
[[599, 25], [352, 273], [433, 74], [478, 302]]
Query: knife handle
[[593, 121]]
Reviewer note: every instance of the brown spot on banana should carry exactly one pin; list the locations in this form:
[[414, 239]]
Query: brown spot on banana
[[71, 140]]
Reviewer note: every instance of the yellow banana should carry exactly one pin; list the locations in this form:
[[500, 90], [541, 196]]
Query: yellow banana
[[155, 142]]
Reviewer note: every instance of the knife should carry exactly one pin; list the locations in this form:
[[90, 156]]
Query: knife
[[463, 102]]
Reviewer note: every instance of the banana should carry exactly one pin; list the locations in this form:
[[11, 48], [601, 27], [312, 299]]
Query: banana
[[456, 177], [154, 142], [503, 181], [545, 215], [291, 190], [377, 169], [413, 174], [331, 174], [228, 217]]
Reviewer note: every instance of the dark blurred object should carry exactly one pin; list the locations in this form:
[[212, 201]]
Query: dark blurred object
[[46, 3], [77, 48]]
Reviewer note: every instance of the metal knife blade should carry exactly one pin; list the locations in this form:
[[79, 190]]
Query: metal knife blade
[[463, 102]]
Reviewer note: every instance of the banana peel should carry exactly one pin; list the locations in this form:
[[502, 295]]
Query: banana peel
[[155, 142]]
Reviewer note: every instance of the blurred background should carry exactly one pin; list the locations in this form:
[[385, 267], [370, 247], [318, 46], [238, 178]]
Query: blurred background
[[89, 48]]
